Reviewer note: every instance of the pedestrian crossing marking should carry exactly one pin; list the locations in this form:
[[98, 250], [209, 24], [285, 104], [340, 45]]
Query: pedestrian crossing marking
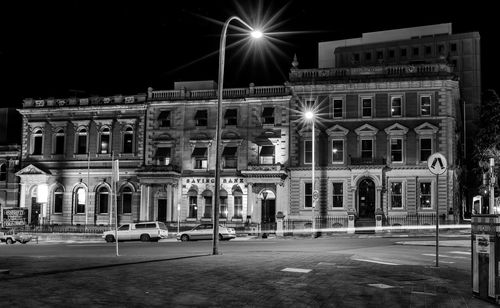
[[296, 270], [374, 261]]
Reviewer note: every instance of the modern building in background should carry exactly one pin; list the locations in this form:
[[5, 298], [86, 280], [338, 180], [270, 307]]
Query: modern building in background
[[10, 153]]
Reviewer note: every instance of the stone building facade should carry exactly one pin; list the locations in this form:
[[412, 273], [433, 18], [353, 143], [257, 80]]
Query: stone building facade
[[375, 128]]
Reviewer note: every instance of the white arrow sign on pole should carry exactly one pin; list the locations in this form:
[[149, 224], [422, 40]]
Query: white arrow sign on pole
[[437, 163]]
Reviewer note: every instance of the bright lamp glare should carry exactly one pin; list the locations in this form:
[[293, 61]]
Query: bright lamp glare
[[309, 115], [256, 34]]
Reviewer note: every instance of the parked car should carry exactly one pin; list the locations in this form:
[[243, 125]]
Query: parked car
[[143, 231], [9, 236], [205, 232]]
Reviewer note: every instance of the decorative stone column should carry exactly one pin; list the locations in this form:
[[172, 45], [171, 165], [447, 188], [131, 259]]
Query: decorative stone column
[[250, 202], [279, 223]]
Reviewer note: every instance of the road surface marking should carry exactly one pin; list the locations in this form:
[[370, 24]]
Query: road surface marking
[[461, 252], [444, 256], [423, 293], [447, 262], [373, 261], [326, 263], [296, 270], [380, 285]]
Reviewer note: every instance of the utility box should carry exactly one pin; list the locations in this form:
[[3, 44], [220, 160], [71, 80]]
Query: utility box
[[485, 257]]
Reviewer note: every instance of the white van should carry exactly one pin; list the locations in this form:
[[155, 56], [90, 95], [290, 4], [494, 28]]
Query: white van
[[144, 231]]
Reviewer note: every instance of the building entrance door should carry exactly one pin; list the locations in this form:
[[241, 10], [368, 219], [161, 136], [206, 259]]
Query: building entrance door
[[35, 212], [162, 210], [366, 201], [268, 223]]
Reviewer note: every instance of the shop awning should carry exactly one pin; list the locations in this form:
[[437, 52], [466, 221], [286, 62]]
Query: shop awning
[[229, 151], [199, 152], [267, 150]]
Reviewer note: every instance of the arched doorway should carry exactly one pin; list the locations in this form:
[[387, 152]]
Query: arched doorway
[[366, 198]]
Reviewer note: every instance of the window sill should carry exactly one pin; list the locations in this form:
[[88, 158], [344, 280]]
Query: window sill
[[191, 219], [107, 155], [237, 219]]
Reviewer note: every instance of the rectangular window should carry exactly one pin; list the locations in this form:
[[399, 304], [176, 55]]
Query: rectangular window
[[425, 195], [338, 195], [356, 57], [266, 155], [441, 49], [104, 144], [58, 202], [366, 107], [103, 203], [37, 145], [402, 52], [425, 105], [193, 207], [163, 156], [338, 105], [200, 158], [268, 115], [307, 152], [200, 163], [368, 56], [337, 151], [231, 117], [223, 207], [396, 195], [428, 50], [82, 144], [367, 149], [453, 47], [126, 203], [208, 207], [380, 55], [128, 142], [396, 106], [59, 145], [391, 53], [238, 207], [164, 119], [308, 195], [425, 148], [230, 157], [396, 150], [415, 51], [201, 117]]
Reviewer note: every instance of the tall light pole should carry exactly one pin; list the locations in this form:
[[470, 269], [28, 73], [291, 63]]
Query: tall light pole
[[222, 53], [309, 115]]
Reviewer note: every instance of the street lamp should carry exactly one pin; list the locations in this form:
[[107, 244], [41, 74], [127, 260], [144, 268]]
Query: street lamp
[[222, 53], [309, 115]]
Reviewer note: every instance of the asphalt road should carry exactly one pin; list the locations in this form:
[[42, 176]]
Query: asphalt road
[[323, 272]]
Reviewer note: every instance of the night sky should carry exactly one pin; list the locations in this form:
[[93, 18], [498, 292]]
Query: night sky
[[84, 48]]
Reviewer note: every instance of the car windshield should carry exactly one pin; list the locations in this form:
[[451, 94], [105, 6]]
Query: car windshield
[[162, 226]]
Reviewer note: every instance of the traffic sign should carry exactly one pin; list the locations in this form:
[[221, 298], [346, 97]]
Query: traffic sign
[[315, 195], [437, 163]]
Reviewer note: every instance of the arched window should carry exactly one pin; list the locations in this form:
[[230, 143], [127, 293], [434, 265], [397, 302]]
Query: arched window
[[37, 142], [59, 142], [58, 200], [81, 141], [103, 199], [80, 200], [126, 201], [3, 172], [128, 140], [104, 142]]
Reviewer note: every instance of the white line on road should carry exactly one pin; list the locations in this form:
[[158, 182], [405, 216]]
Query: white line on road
[[296, 270], [461, 252], [444, 256], [380, 285], [373, 261], [423, 293], [447, 262]]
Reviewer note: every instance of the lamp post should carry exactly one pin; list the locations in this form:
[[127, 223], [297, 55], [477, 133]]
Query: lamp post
[[222, 53], [309, 115]]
